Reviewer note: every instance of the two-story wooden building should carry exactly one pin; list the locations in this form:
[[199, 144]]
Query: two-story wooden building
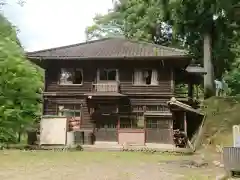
[[117, 88]]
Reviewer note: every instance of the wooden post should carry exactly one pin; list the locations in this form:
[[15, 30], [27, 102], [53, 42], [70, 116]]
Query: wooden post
[[81, 115], [190, 90], [197, 92], [118, 123], [172, 81], [185, 123], [144, 126]]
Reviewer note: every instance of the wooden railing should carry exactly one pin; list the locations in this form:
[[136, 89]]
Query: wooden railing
[[150, 108], [106, 87]]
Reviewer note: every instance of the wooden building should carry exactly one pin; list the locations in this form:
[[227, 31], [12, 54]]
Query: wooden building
[[119, 88]]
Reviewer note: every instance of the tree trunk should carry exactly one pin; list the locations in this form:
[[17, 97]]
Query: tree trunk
[[209, 87]]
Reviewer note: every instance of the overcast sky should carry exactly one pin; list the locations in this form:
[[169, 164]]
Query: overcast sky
[[51, 23]]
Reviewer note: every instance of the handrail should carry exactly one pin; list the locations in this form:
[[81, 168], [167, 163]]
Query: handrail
[[105, 86]]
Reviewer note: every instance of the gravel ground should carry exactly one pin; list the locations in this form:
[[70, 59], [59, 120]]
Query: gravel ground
[[98, 166]]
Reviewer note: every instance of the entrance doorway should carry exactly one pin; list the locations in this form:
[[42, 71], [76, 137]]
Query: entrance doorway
[[106, 128]]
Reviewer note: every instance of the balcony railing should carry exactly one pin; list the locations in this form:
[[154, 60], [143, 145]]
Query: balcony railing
[[106, 87], [150, 108]]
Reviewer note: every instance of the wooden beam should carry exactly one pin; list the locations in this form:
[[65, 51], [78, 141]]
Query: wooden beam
[[200, 134]]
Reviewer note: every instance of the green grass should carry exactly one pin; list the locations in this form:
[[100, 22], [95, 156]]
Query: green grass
[[222, 114], [15, 156]]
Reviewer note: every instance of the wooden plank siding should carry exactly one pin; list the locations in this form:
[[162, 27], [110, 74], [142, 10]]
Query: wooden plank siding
[[51, 108], [52, 79], [125, 77], [127, 86], [138, 95]]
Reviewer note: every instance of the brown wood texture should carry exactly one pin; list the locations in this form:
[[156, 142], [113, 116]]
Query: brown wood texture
[[137, 95], [161, 132], [125, 77], [162, 136]]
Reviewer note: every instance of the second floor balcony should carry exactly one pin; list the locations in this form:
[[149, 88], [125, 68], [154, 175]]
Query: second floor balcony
[[106, 87]]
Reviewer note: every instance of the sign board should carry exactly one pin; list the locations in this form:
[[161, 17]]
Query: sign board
[[53, 131], [236, 136]]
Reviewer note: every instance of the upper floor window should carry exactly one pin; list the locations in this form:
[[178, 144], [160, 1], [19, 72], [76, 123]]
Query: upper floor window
[[145, 77], [107, 75], [71, 76]]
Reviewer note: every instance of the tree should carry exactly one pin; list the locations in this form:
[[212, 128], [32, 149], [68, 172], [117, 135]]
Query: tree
[[233, 75], [4, 2], [206, 22], [205, 28], [20, 86], [133, 19]]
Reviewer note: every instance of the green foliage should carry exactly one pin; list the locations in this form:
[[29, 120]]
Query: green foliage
[[178, 23], [233, 76], [191, 19], [20, 86], [105, 26], [174, 23], [133, 19]]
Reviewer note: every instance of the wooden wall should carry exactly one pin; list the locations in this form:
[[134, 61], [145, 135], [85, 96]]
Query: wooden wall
[[125, 74], [138, 95]]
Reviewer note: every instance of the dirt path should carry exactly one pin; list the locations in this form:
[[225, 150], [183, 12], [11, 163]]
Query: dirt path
[[91, 172], [91, 166]]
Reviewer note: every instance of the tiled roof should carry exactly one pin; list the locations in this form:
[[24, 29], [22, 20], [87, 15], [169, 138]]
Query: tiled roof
[[109, 48]]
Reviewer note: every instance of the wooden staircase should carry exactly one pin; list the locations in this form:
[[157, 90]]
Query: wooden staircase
[[86, 123]]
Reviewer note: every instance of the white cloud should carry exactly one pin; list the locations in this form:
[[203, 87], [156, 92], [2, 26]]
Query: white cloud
[[50, 23]]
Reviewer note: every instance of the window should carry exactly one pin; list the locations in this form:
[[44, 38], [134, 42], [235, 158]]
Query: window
[[69, 110], [107, 74], [125, 122], [143, 108], [107, 108], [138, 108], [71, 76], [134, 122], [162, 108], [145, 77], [156, 123]]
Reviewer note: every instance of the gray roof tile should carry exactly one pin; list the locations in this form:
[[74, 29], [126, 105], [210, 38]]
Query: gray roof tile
[[107, 48]]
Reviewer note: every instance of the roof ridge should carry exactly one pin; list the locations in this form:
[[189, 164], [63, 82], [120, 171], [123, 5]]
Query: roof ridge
[[68, 46], [156, 45]]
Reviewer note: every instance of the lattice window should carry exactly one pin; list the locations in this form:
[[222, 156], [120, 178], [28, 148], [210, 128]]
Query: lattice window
[[125, 122], [156, 123], [161, 108], [138, 108], [73, 110], [142, 108], [134, 122]]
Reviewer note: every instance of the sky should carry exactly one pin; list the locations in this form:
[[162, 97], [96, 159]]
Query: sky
[[53, 23]]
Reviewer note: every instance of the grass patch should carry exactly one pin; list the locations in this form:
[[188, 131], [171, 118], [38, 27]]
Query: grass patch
[[222, 114], [16, 157]]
